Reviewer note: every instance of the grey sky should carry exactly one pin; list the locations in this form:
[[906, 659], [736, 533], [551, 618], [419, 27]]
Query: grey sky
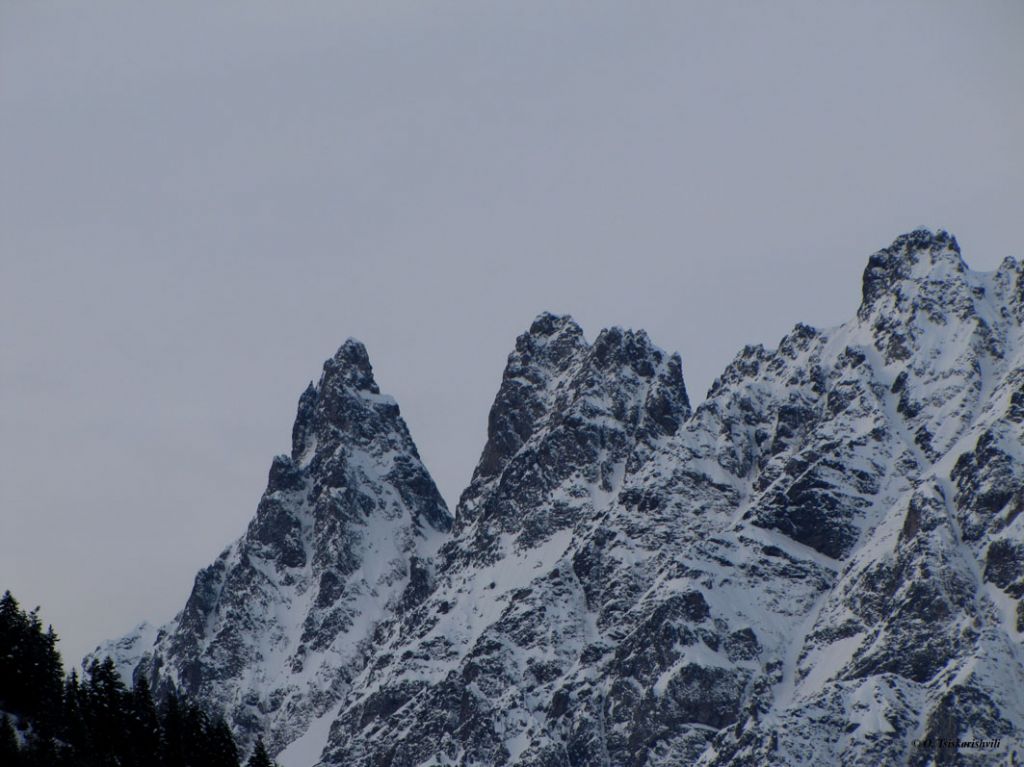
[[200, 201]]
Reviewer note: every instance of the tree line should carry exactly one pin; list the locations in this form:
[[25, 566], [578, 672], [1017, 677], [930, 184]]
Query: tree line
[[49, 719]]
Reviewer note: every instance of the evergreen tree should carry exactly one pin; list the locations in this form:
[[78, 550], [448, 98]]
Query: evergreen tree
[[13, 628], [143, 726], [221, 750], [259, 757], [194, 725], [172, 733], [95, 721], [31, 674], [73, 730], [50, 680], [45, 678], [106, 711], [9, 751]]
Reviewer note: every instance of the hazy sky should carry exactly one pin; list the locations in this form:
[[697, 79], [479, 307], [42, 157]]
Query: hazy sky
[[200, 201]]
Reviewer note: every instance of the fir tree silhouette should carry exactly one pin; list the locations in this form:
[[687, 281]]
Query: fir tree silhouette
[[47, 720], [259, 757]]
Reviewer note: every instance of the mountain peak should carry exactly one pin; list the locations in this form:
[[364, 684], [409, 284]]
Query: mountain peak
[[343, 524], [917, 255], [571, 415], [617, 347], [549, 345], [549, 324], [351, 367], [784, 575]]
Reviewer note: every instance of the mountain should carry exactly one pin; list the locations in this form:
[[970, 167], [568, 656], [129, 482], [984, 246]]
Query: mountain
[[822, 563], [276, 628]]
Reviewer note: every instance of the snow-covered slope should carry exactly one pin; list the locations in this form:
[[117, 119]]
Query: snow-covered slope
[[822, 564], [818, 566], [278, 625]]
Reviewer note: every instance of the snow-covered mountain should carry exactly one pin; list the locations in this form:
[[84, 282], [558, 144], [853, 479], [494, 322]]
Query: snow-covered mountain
[[821, 564], [278, 626]]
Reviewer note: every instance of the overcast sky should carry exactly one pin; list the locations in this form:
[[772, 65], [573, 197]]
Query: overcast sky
[[199, 202]]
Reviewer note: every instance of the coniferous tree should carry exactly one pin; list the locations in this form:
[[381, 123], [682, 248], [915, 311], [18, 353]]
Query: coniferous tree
[[194, 730], [221, 750], [106, 698], [73, 730], [30, 671], [50, 680], [172, 733], [94, 721], [13, 663], [143, 726], [9, 751], [259, 757]]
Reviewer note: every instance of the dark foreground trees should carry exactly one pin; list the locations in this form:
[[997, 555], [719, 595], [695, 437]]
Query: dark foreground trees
[[259, 757], [47, 720]]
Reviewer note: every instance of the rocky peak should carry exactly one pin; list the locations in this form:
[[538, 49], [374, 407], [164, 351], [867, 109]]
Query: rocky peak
[[918, 284], [914, 255], [277, 626], [559, 334], [346, 384], [568, 409], [744, 365], [346, 406], [657, 376], [541, 354], [350, 368], [820, 566]]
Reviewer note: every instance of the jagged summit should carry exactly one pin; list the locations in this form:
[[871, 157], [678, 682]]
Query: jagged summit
[[731, 586], [350, 364], [915, 254], [558, 389], [548, 324], [347, 380], [820, 564], [918, 260], [276, 627]]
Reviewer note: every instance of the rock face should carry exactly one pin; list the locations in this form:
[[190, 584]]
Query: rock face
[[278, 626], [821, 564]]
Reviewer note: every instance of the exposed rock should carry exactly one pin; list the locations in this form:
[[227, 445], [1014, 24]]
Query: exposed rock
[[821, 564], [276, 628]]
